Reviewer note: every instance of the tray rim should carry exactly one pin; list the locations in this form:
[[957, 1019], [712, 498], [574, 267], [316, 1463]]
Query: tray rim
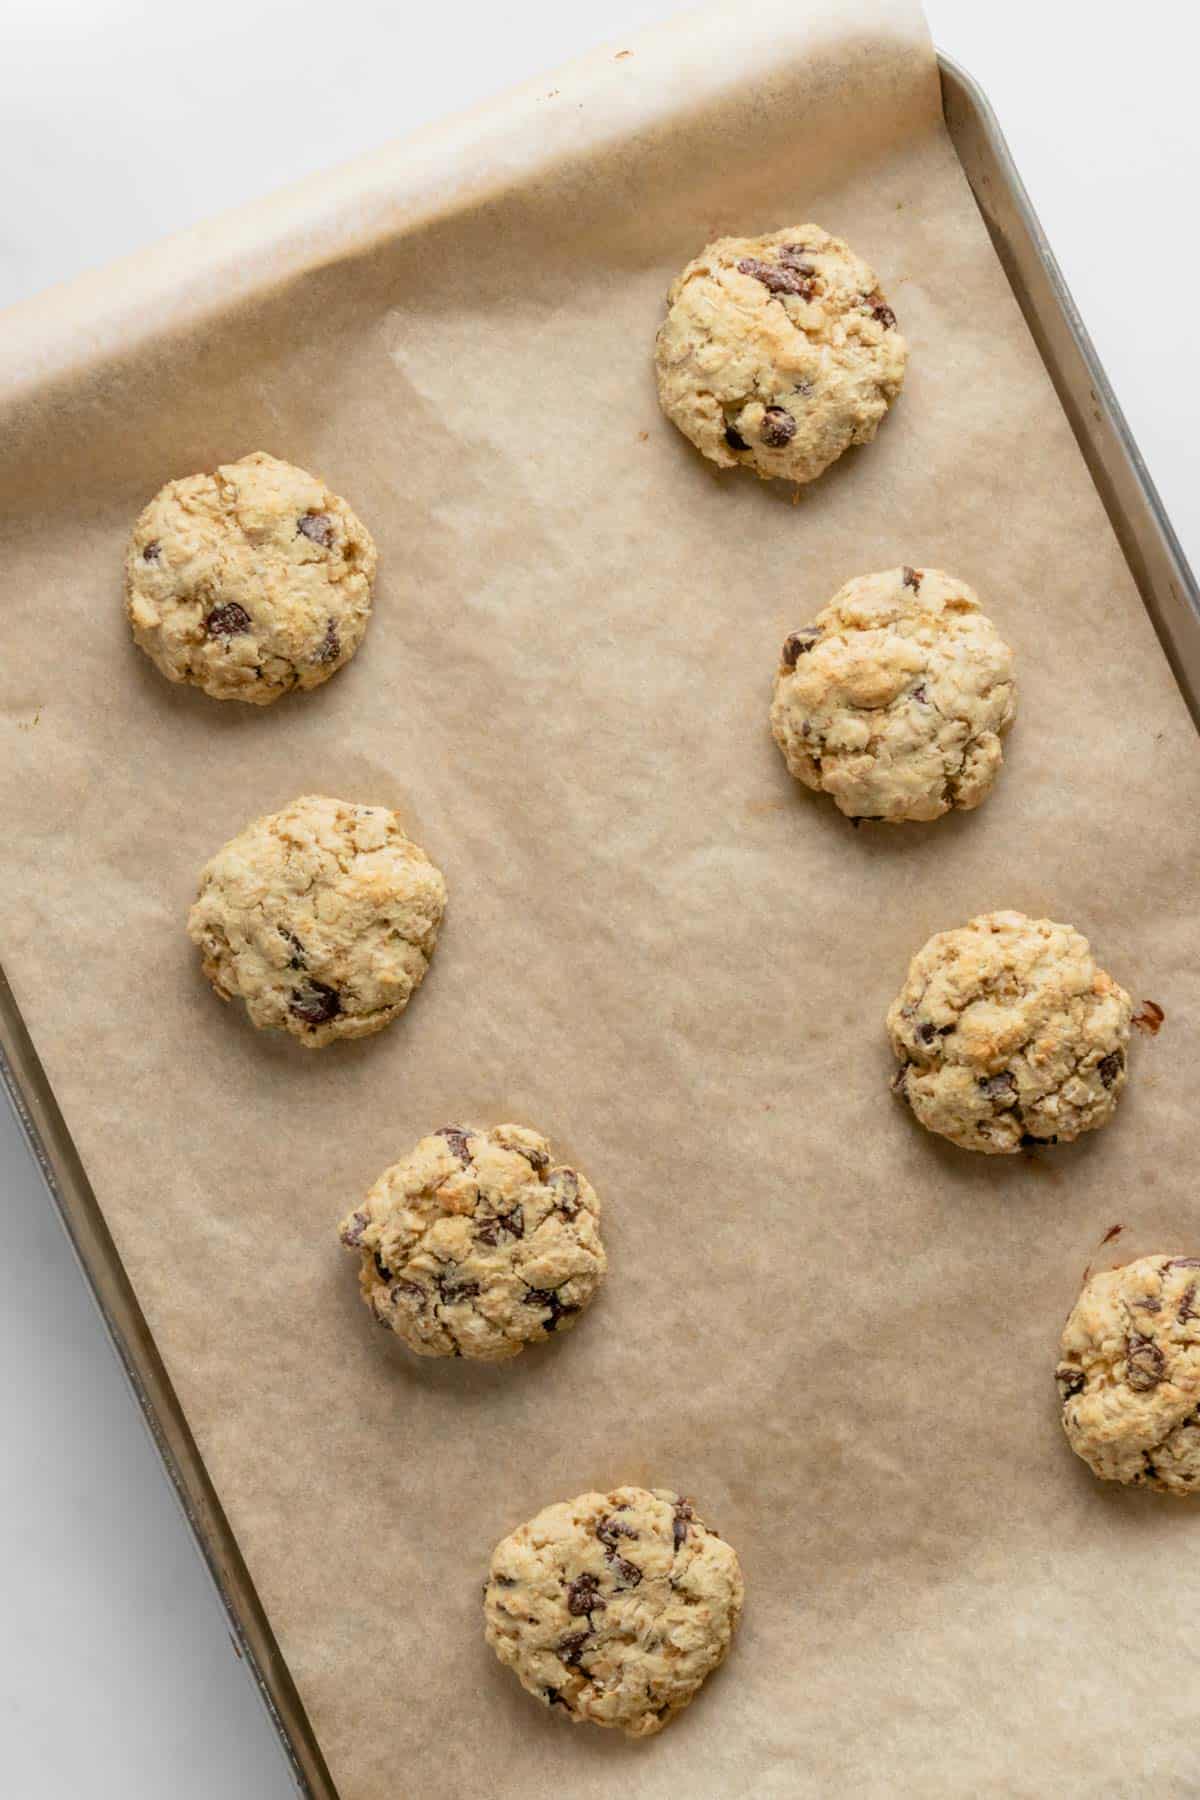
[[1153, 552]]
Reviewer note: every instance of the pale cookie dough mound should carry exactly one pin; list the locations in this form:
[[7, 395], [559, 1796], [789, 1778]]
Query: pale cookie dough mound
[[1129, 1374], [249, 582], [778, 353], [322, 918], [614, 1606], [1008, 1034], [477, 1244], [896, 698]]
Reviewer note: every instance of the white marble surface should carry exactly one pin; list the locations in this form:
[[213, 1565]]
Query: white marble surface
[[122, 120]]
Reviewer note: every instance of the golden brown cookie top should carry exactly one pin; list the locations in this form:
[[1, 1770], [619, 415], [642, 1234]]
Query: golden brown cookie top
[[321, 917], [249, 582], [778, 352], [1008, 1034], [1129, 1374], [477, 1243], [896, 698], [614, 1607]]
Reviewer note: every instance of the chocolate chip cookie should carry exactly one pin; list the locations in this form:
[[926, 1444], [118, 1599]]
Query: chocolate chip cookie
[[896, 698], [614, 1607], [779, 352], [322, 918], [1129, 1374], [1008, 1035], [250, 582], [477, 1244]]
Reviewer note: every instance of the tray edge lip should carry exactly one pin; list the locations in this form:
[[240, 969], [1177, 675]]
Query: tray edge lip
[[1106, 398], [213, 1539]]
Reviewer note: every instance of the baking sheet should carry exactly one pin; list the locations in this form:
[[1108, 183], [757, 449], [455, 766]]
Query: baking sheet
[[836, 1333]]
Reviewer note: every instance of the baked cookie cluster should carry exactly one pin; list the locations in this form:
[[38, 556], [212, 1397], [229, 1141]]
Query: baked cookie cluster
[[777, 354]]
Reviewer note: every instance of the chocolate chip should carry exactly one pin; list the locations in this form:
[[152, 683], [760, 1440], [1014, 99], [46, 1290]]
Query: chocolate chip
[[381, 1268], [608, 1530], [1029, 1142], [330, 647], [315, 1003], [548, 1298], [1186, 1309], [458, 1140], [881, 310], [565, 1183], [734, 438], [583, 1596], [1150, 1304], [1182, 1262], [1070, 1381], [912, 579], [926, 1032], [317, 527], [554, 1698], [1144, 1364], [452, 1293], [1149, 1018], [491, 1231], [778, 428], [799, 644], [1110, 1066], [683, 1512], [1002, 1088], [352, 1231], [229, 620], [777, 280], [537, 1158], [297, 958], [570, 1649], [921, 693], [900, 1083], [505, 1580], [152, 552], [792, 257]]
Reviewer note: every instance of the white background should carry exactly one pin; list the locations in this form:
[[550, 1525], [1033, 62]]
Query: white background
[[121, 122]]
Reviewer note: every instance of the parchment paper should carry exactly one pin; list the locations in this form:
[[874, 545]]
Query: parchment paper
[[832, 1330]]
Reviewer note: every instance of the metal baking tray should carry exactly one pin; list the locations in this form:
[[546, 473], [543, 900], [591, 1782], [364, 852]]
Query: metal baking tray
[[1172, 599]]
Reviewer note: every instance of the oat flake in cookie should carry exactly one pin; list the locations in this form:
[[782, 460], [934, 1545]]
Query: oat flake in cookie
[[249, 582], [614, 1607], [477, 1244], [777, 353], [895, 699], [1008, 1035], [322, 918], [1129, 1374]]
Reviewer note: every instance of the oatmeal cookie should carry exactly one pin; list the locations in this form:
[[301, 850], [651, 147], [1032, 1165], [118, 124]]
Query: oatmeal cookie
[[614, 1607]]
